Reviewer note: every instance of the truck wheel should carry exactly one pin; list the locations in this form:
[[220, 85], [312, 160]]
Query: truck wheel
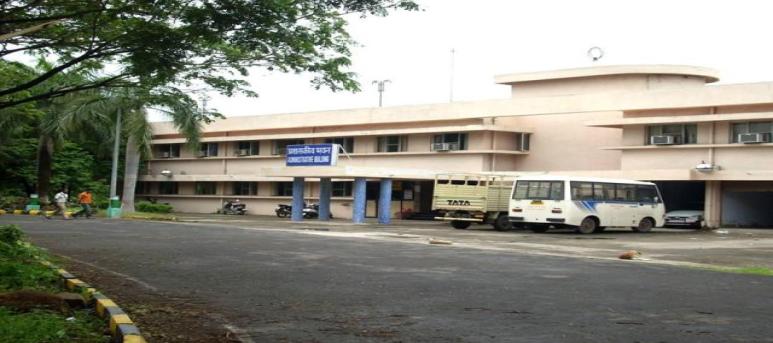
[[502, 223], [645, 225], [588, 225], [458, 224]]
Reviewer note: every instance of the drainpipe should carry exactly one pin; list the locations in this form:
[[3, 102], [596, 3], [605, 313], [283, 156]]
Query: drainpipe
[[712, 110]]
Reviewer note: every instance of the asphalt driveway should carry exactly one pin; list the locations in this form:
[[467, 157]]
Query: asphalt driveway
[[290, 286]]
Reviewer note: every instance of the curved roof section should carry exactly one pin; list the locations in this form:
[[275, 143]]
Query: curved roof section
[[710, 75]]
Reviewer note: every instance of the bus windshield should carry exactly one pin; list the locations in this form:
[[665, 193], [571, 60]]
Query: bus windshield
[[539, 190]]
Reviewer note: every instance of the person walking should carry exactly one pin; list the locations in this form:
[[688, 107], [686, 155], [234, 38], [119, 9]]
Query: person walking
[[85, 200], [60, 199]]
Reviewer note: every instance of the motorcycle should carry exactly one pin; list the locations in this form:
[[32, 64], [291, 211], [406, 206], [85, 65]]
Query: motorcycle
[[233, 207], [283, 211], [310, 211]]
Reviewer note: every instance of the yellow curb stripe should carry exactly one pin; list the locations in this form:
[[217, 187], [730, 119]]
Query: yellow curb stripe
[[18, 212], [72, 283], [34, 212], [118, 319], [133, 339], [102, 304]]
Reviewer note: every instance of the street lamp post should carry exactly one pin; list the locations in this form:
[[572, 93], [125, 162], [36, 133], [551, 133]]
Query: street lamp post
[[380, 84]]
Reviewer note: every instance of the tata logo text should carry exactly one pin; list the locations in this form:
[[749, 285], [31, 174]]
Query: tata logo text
[[459, 202]]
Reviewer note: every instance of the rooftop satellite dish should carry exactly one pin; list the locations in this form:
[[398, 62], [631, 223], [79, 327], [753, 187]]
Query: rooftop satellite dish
[[595, 53]]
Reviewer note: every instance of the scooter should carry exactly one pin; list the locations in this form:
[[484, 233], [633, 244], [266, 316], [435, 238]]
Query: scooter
[[312, 211], [233, 207]]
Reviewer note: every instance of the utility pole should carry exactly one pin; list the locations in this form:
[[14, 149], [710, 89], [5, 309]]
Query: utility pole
[[114, 209], [451, 80], [380, 84]]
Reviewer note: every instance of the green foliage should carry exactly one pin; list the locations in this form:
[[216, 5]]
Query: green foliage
[[18, 158], [19, 267], [145, 206], [182, 43], [10, 234], [42, 326]]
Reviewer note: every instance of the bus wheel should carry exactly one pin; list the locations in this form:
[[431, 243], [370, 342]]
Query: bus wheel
[[645, 225], [588, 225], [458, 224], [538, 228], [502, 223]]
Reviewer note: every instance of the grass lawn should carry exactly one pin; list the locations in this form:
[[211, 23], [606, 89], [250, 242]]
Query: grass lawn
[[20, 270]]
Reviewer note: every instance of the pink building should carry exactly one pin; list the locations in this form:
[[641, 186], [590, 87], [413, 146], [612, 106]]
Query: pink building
[[708, 146]]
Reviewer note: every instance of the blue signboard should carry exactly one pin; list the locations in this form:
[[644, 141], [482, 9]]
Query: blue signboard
[[312, 155]]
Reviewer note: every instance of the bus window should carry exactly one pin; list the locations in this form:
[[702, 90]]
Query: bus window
[[646, 193], [582, 190], [458, 182], [625, 192], [607, 191], [521, 190], [539, 190], [472, 182], [556, 190]]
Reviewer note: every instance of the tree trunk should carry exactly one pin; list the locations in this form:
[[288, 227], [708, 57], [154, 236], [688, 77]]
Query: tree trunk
[[45, 161], [131, 168]]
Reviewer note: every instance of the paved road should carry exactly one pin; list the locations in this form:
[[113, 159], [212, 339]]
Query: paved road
[[289, 286]]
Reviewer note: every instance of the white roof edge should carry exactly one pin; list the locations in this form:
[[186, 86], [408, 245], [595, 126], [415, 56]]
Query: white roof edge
[[709, 74]]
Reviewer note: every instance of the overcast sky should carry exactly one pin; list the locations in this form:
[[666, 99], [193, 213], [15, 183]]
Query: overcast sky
[[490, 37]]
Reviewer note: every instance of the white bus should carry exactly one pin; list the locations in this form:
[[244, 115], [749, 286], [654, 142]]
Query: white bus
[[585, 204]]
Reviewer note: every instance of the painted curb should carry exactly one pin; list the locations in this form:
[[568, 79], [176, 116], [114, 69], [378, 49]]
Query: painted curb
[[122, 328]]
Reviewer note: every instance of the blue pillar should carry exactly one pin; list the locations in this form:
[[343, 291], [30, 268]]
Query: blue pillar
[[358, 208], [297, 214], [325, 190], [385, 202]]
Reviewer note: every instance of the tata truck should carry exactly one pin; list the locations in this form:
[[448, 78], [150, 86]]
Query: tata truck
[[464, 199]]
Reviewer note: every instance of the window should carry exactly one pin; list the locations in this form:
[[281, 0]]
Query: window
[[613, 192], [522, 141], [208, 149], [603, 191], [582, 190], [342, 189], [283, 188], [763, 127], [539, 190], [392, 144], [449, 141], [647, 194], [205, 188], [167, 188], [142, 188], [624, 192], [247, 148], [683, 134], [245, 188], [169, 151], [346, 142], [280, 146]]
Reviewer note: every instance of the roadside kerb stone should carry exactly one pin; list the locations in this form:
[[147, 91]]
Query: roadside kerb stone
[[122, 329]]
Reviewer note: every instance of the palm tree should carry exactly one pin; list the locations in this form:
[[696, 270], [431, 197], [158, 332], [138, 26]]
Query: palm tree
[[132, 103]]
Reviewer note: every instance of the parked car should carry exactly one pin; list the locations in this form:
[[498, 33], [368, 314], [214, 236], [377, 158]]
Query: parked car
[[684, 218]]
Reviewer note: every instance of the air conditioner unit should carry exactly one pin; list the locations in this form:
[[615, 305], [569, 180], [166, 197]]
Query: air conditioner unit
[[244, 152], [441, 146], [662, 140], [165, 154], [752, 138]]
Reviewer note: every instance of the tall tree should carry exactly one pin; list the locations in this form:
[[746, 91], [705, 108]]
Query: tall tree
[[178, 43]]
